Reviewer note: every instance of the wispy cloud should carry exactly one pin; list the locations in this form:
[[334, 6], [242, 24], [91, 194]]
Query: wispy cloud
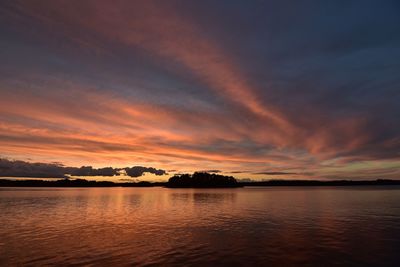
[[175, 85]]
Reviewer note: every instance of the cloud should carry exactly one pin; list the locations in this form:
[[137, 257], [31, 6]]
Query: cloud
[[288, 96], [211, 171], [18, 168], [277, 173], [137, 171], [245, 180], [90, 171]]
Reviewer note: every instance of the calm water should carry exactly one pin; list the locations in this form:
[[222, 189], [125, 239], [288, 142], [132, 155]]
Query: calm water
[[358, 226]]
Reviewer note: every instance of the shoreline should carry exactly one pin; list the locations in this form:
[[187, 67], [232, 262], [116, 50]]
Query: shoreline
[[271, 183]]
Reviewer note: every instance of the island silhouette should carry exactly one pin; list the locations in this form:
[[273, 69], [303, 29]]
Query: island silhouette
[[202, 180]]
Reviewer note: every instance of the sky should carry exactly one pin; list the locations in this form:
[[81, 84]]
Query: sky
[[254, 89]]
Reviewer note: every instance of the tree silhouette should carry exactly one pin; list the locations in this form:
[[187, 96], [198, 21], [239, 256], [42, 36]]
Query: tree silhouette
[[202, 180]]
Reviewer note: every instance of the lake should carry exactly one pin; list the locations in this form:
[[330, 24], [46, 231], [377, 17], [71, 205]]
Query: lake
[[251, 226]]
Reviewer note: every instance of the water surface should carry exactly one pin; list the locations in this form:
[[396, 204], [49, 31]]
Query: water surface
[[283, 226]]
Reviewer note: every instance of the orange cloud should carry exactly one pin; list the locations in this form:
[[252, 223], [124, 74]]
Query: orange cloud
[[51, 117]]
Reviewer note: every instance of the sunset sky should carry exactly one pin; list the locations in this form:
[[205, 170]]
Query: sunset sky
[[254, 89]]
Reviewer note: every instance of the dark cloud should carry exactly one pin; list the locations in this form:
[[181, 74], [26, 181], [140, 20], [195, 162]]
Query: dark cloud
[[212, 171], [276, 173], [18, 168], [90, 171], [138, 171], [286, 173], [245, 180]]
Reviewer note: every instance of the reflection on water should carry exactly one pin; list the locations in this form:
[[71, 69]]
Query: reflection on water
[[200, 227]]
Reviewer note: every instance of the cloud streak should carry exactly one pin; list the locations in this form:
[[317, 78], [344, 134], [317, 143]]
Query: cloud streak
[[175, 85], [277, 173]]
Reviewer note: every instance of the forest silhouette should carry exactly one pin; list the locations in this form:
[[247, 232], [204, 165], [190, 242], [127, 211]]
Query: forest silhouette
[[195, 180]]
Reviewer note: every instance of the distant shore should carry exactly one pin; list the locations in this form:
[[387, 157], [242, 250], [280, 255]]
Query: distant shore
[[270, 183]]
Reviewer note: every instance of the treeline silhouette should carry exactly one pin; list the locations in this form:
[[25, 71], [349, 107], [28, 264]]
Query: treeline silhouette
[[202, 180], [73, 183], [321, 183], [197, 180]]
